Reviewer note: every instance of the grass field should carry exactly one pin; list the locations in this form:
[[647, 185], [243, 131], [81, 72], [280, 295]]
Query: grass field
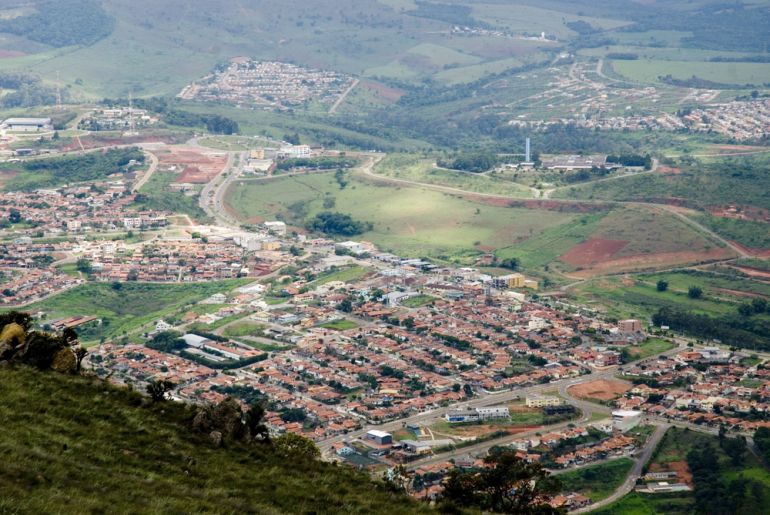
[[754, 235], [243, 328], [417, 169], [92, 445], [725, 73], [597, 482], [650, 347], [408, 221], [345, 275], [127, 309], [631, 296], [418, 301], [706, 182], [340, 325], [155, 194], [624, 239]]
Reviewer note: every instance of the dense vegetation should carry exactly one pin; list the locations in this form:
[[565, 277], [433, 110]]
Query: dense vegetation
[[92, 166], [75, 444], [61, 23], [26, 91], [479, 162], [318, 163], [337, 224], [738, 330]]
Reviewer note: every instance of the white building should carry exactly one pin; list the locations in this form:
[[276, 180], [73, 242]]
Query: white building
[[28, 124], [276, 227], [541, 401], [623, 420], [493, 412]]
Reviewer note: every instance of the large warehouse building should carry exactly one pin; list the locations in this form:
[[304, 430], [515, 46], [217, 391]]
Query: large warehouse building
[[28, 124]]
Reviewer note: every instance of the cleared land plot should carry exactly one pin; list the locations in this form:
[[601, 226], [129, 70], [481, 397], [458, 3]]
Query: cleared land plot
[[192, 165], [601, 389], [409, 221]]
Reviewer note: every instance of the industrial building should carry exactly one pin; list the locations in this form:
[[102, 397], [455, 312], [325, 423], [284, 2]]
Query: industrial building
[[28, 124], [379, 437]]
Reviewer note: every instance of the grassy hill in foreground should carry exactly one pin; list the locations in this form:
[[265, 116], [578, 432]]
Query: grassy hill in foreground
[[74, 445]]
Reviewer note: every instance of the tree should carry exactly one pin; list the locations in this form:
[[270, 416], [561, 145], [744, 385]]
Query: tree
[[346, 306], [694, 292], [293, 445], [662, 285], [759, 305], [14, 215], [507, 485], [84, 266], [159, 389], [133, 275], [254, 421], [745, 309]]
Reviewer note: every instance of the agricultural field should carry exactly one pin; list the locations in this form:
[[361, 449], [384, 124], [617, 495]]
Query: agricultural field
[[129, 308], [408, 221], [597, 482], [628, 296]]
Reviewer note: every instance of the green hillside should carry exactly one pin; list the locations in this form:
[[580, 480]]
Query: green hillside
[[75, 445]]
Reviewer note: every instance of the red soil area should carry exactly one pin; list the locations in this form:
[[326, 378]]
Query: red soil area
[[382, 91], [593, 251], [647, 261], [753, 272], [751, 213], [602, 389], [5, 54], [197, 167], [680, 467]]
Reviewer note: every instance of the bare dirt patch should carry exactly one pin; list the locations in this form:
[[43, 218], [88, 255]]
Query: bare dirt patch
[[753, 272], [5, 176], [196, 167], [750, 213], [653, 261], [592, 251], [680, 467], [601, 389]]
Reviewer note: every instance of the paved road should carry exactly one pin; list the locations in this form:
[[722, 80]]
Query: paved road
[[636, 471]]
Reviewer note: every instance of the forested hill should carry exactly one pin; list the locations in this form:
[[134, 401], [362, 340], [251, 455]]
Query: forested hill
[[61, 23], [75, 445]]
